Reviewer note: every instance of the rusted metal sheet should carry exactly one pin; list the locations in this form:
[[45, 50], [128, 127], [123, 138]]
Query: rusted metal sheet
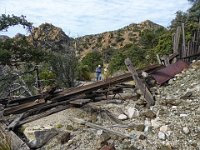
[[163, 75]]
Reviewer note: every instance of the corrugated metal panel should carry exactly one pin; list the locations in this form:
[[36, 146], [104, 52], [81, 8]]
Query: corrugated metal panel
[[163, 75]]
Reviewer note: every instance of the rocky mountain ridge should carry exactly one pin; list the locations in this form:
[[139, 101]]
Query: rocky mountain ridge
[[51, 37], [114, 39]]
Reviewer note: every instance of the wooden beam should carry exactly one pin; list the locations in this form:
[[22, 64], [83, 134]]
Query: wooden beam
[[183, 44], [139, 84], [15, 143], [22, 107], [44, 114], [98, 127]]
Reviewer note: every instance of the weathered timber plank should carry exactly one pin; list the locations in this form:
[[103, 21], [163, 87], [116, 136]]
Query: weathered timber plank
[[139, 84], [14, 141], [80, 102], [95, 126], [19, 108], [44, 114], [15, 122]]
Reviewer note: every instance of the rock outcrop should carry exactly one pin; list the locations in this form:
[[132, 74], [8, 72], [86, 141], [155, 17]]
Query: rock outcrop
[[49, 37]]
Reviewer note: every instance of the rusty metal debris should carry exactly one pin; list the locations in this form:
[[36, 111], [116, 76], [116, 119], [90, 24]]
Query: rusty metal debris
[[163, 75]]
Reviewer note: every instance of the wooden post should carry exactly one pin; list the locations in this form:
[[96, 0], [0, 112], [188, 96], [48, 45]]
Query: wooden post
[[139, 84], [158, 58], [183, 44], [176, 40]]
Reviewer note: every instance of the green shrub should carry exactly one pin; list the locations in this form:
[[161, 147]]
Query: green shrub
[[92, 60], [59, 126], [83, 72], [136, 54], [5, 57], [47, 77]]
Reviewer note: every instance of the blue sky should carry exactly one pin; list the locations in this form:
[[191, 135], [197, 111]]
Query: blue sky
[[84, 17]]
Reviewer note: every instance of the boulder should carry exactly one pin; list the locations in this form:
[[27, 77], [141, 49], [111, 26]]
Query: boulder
[[122, 117], [39, 135]]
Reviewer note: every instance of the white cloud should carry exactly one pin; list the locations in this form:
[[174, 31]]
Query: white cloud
[[81, 17]]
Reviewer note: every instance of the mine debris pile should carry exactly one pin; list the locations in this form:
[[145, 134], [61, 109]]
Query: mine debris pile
[[17, 112]]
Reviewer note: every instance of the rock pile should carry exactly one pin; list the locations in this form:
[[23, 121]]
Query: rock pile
[[173, 123]]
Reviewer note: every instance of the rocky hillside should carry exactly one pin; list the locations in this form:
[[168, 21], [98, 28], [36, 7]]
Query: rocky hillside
[[53, 38], [50, 37], [114, 39]]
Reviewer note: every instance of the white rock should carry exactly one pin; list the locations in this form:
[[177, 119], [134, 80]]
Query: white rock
[[170, 81], [147, 122], [174, 107], [132, 112], [186, 130], [197, 88], [164, 129], [122, 117], [156, 122], [147, 128], [183, 115], [99, 132], [161, 136], [193, 61], [168, 133], [144, 74]]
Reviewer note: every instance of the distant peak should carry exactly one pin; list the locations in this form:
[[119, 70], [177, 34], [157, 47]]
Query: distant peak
[[149, 22]]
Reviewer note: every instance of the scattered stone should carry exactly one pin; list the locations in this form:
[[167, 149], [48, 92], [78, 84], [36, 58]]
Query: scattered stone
[[147, 129], [164, 129], [144, 74], [122, 117], [99, 132], [161, 135], [42, 137], [194, 144], [108, 147], [183, 115], [186, 96], [172, 102], [69, 127], [149, 114], [132, 112], [64, 137], [170, 81], [156, 122], [104, 137], [165, 147], [142, 137], [1, 107], [140, 127], [186, 130]]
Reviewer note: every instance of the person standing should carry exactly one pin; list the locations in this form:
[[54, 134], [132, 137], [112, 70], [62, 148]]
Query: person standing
[[98, 73]]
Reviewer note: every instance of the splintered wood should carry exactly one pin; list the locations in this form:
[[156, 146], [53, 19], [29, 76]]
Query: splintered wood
[[139, 84]]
